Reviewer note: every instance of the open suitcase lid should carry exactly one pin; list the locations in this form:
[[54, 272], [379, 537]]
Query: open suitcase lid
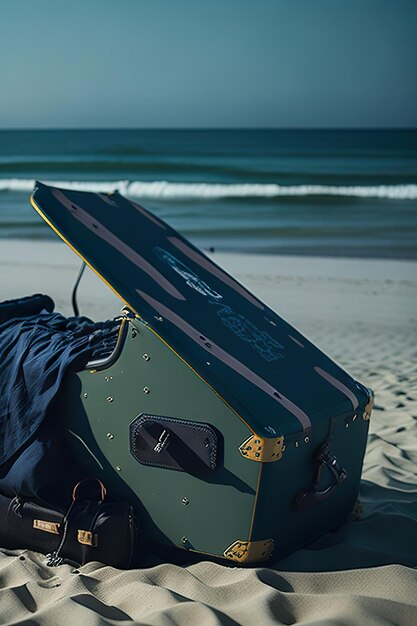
[[274, 378]]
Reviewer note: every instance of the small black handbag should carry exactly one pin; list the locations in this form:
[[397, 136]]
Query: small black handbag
[[92, 529]]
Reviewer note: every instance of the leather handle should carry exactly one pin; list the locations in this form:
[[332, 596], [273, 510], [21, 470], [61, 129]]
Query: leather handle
[[328, 461], [103, 490]]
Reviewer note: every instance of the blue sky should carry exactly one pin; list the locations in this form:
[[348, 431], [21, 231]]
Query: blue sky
[[208, 63]]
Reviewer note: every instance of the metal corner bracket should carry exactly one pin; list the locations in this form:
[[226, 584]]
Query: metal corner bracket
[[257, 448], [249, 551]]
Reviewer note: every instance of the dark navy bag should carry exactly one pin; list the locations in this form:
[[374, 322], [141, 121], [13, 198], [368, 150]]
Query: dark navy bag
[[91, 528]]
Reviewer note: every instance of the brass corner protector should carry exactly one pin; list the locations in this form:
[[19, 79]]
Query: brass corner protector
[[369, 406], [262, 450], [87, 538], [249, 551], [48, 527]]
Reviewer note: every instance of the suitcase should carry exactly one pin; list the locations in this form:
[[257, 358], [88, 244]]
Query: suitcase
[[230, 433]]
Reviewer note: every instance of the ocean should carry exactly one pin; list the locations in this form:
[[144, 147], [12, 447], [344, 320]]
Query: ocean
[[311, 192]]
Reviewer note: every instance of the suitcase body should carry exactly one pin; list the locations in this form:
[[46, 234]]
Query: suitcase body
[[247, 506], [228, 431]]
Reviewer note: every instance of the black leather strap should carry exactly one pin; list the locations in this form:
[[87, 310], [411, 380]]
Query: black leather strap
[[326, 461]]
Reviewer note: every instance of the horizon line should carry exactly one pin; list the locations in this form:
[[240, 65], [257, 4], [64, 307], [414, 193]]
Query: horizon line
[[210, 128]]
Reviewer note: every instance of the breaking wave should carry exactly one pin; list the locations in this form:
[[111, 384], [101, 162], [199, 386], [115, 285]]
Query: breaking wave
[[206, 191]]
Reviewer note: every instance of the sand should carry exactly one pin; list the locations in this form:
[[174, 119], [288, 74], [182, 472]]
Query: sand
[[364, 315]]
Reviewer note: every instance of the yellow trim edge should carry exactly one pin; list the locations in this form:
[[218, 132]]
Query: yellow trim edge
[[55, 229]]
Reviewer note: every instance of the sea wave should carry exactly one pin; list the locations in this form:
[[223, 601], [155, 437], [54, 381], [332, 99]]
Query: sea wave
[[205, 191]]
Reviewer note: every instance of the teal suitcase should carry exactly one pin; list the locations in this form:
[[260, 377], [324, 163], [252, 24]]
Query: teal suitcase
[[230, 433]]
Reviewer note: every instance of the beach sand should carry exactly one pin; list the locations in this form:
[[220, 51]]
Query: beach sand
[[364, 315]]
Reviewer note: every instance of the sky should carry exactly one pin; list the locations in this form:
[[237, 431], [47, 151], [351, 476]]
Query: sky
[[208, 63]]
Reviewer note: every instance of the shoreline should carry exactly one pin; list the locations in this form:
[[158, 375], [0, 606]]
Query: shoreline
[[315, 252], [273, 278]]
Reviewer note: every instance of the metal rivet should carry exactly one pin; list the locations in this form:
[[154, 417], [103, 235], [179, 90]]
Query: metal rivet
[[347, 425], [108, 378], [109, 399], [208, 363], [184, 539], [185, 501], [118, 468], [296, 444], [306, 439], [110, 436], [146, 357], [86, 395], [134, 333], [146, 390]]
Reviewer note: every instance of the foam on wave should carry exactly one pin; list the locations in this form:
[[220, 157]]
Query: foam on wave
[[202, 191]]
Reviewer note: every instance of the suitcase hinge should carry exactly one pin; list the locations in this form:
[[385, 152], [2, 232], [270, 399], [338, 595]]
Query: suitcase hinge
[[369, 406], [127, 312], [249, 551], [262, 450]]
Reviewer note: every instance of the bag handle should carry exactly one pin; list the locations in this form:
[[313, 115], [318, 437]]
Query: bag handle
[[54, 559], [103, 490]]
